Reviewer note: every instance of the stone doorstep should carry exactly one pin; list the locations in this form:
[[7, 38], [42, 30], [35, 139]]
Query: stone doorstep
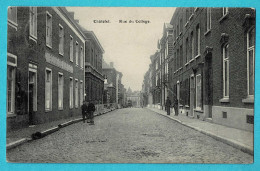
[[43, 133], [233, 143]]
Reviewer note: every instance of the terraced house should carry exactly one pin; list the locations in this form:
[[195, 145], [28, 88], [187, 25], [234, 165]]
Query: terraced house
[[212, 67], [45, 59]]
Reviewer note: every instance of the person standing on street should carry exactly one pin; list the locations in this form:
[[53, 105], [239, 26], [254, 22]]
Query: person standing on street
[[175, 105], [91, 110], [84, 109], [168, 104]]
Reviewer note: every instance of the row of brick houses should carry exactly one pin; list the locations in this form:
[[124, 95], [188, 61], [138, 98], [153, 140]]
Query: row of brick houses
[[53, 64], [205, 59]]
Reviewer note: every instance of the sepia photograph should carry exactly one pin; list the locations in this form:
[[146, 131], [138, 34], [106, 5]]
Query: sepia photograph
[[150, 85]]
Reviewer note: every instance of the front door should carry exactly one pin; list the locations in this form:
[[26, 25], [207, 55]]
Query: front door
[[209, 84], [32, 97]]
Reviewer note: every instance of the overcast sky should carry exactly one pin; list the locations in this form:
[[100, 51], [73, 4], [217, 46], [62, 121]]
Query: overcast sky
[[128, 45]]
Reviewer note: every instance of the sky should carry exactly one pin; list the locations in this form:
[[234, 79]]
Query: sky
[[128, 45]]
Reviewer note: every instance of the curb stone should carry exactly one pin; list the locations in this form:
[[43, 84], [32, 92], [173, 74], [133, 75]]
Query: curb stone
[[38, 135], [232, 143]]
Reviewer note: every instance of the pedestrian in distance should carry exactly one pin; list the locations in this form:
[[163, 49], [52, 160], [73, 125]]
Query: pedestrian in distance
[[168, 104], [84, 109], [91, 110], [175, 105]]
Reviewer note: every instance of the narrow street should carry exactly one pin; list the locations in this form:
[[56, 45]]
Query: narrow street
[[131, 135]]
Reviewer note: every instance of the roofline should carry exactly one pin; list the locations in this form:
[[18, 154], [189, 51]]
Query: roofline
[[96, 40], [72, 21]]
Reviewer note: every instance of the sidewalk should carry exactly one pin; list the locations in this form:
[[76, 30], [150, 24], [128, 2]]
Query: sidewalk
[[20, 136], [243, 140]]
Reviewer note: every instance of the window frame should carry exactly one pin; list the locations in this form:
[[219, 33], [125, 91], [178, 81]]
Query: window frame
[[62, 95], [61, 40], [251, 48], [208, 20], [11, 22], [49, 44], [71, 96], [71, 48], [77, 53], [50, 105], [33, 24], [225, 60], [13, 65], [196, 101]]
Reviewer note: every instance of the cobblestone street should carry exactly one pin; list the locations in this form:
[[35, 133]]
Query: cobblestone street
[[132, 135]]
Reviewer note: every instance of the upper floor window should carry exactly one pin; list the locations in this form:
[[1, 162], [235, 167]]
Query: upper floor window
[[81, 57], [187, 50], [181, 25], [12, 16], [226, 70], [71, 48], [192, 45], [224, 11], [61, 40], [208, 20], [33, 22], [49, 30], [77, 53], [198, 40], [250, 61], [187, 15]]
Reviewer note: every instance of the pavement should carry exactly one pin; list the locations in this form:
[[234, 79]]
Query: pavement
[[23, 135], [240, 139], [129, 135]]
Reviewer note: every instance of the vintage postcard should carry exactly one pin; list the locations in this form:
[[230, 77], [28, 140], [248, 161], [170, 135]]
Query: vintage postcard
[[130, 84]]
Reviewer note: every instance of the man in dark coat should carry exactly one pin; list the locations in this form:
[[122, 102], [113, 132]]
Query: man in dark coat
[[84, 109], [175, 105], [91, 110], [168, 104]]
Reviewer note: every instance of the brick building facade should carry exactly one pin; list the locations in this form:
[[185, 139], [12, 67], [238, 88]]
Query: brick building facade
[[45, 58], [93, 68], [211, 66]]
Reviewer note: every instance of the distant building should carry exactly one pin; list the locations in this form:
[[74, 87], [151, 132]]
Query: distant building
[[45, 65], [133, 97], [94, 80]]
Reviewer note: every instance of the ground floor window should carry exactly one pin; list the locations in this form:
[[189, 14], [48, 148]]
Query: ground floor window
[[48, 89], [76, 94], [71, 92], [60, 90], [81, 95], [10, 89], [198, 92]]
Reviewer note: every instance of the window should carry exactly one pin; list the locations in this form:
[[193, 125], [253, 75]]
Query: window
[[181, 25], [33, 22], [250, 61], [225, 11], [178, 59], [12, 16], [48, 89], [192, 45], [178, 31], [71, 93], [61, 40], [226, 71], [187, 15], [81, 57], [76, 94], [198, 40], [77, 53], [49, 30], [181, 56], [187, 50], [71, 48], [166, 49], [81, 93], [208, 20], [60, 90], [198, 92], [10, 89], [175, 36]]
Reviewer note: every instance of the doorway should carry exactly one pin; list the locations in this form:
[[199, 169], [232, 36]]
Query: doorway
[[32, 96], [192, 94]]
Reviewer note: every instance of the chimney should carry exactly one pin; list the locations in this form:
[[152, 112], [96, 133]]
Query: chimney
[[112, 64], [72, 15]]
